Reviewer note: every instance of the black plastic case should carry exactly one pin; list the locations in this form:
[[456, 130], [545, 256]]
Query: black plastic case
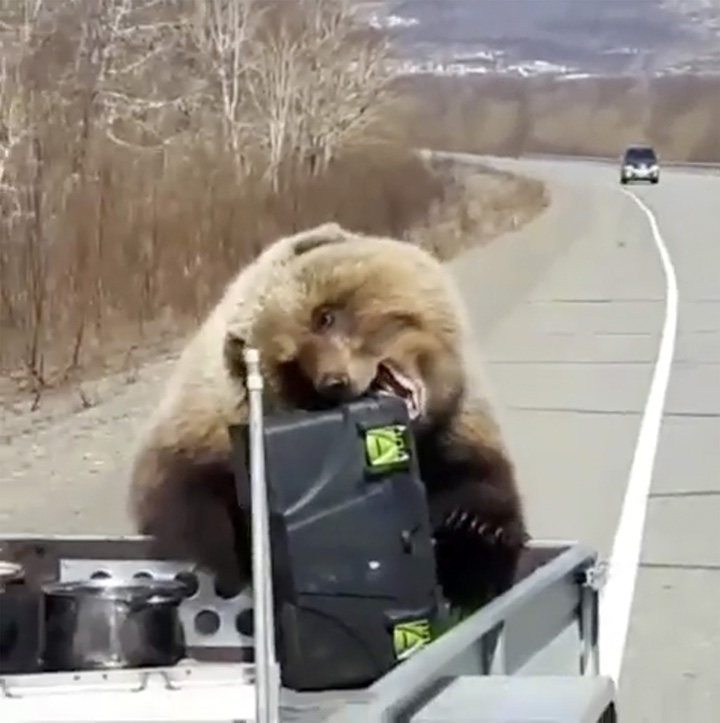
[[354, 575]]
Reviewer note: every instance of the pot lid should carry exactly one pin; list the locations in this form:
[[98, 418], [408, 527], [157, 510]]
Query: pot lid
[[10, 571], [120, 588]]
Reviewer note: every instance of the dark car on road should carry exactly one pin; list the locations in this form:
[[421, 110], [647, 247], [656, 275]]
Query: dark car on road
[[639, 163]]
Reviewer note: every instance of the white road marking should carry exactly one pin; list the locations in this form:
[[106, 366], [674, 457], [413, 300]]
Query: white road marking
[[617, 596]]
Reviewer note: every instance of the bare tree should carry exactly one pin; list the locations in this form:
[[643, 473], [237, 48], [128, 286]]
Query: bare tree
[[221, 30], [110, 61], [123, 67], [347, 84], [316, 80], [17, 18], [12, 127], [16, 22], [273, 84]]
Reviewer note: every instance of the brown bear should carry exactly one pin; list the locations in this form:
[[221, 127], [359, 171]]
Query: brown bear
[[334, 315]]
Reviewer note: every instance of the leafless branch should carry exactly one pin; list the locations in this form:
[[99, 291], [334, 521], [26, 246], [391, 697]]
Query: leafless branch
[[221, 30]]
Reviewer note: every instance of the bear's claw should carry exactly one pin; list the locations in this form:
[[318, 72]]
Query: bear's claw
[[462, 523]]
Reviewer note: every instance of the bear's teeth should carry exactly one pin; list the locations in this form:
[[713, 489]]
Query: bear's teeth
[[411, 391], [419, 399], [412, 408]]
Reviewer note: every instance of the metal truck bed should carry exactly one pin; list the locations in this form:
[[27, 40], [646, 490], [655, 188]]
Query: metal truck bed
[[545, 625]]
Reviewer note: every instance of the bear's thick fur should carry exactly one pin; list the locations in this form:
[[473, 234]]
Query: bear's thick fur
[[333, 314]]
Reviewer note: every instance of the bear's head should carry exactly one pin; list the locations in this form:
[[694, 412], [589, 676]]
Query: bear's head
[[368, 314]]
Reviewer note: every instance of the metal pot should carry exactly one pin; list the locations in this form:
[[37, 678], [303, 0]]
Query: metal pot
[[113, 623], [10, 572]]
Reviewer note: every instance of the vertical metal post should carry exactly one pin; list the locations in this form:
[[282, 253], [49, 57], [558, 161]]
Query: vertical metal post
[[267, 678], [589, 624]]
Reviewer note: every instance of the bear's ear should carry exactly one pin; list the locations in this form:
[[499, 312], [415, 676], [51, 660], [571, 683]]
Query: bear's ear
[[233, 349], [323, 235]]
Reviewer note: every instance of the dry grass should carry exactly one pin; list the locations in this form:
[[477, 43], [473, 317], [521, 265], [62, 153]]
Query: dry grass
[[135, 254], [481, 204], [680, 116], [107, 308]]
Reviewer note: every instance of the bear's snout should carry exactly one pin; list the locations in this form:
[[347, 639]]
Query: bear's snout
[[335, 387]]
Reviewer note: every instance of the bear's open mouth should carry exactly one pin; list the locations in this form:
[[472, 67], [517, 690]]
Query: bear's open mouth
[[390, 380]]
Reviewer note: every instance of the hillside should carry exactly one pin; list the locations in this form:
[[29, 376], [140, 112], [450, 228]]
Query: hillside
[[592, 116], [529, 37]]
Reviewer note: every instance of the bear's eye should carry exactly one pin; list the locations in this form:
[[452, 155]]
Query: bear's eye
[[324, 319]]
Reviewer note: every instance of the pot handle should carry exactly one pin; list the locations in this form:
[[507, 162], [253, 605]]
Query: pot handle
[[135, 605]]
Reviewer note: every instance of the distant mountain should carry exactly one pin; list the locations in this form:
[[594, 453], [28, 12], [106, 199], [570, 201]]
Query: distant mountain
[[608, 37]]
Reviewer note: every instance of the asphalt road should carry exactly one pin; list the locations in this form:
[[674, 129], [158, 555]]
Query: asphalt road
[[571, 360]]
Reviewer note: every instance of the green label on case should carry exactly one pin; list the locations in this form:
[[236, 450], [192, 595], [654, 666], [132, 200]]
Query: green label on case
[[386, 446]]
